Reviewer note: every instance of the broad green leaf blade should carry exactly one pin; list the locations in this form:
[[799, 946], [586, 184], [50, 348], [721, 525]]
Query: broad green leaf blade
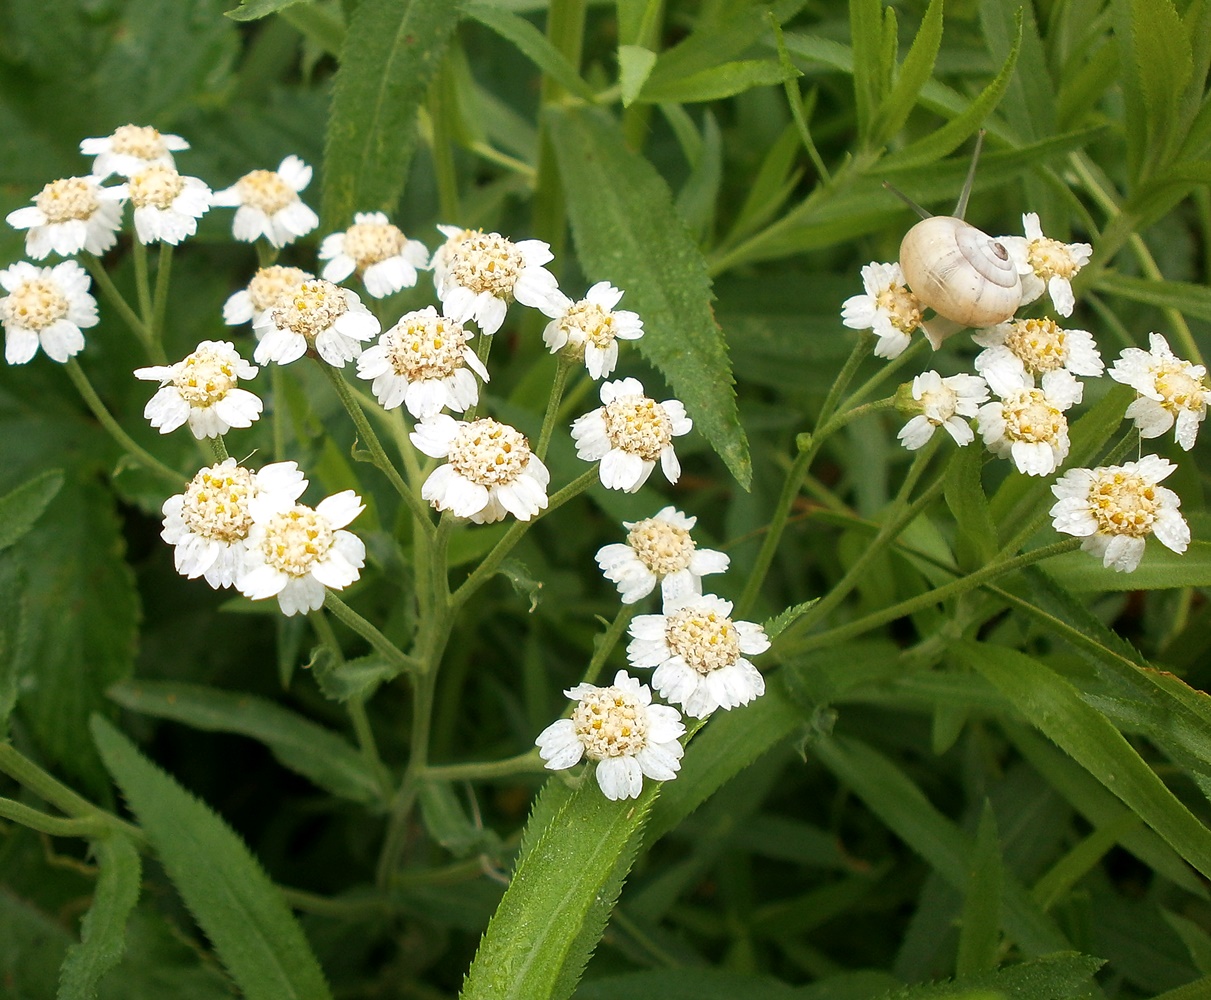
[[1160, 569], [1200, 989], [254, 10], [628, 232], [533, 44], [1192, 300], [1058, 709], [914, 72], [634, 67], [979, 935], [965, 497], [224, 886], [316, 753], [392, 50], [1164, 64], [534, 947], [1052, 977], [715, 83], [24, 505], [103, 929]]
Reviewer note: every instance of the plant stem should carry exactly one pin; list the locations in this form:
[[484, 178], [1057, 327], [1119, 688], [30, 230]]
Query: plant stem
[[160, 302], [548, 420], [143, 286], [856, 356], [604, 645], [135, 451], [55, 826], [525, 763], [443, 153], [394, 655], [115, 299], [218, 448]]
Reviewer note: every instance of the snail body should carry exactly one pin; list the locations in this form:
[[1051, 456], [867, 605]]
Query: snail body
[[961, 273]]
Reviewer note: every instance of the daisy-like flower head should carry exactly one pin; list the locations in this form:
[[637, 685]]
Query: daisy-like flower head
[[490, 470], [295, 554], [620, 729], [67, 216], [943, 402], [1045, 263], [629, 433], [1036, 347], [659, 548], [167, 204], [1114, 508], [47, 306], [591, 328], [888, 309], [202, 389], [698, 653], [1028, 424], [317, 314], [269, 288], [378, 251], [478, 274], [267, 204], [423, 362], [1172, 391], [208, 525], [130, 149]]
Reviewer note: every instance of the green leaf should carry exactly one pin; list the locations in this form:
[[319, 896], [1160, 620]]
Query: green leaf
[[14, 636], [103, 929], [1164, 64], [979, 935], [690, 983], [533, 44], [916, 69], [448, 823], [866, 35], [967, 502], [225, 888], [1160, 569], [345, 679], [715, 83], [1196, 940], [628, 232], [783, 620], [1052, 977], [254, 10], [1200, 989], [391, 53], [523, 581], [565, 883], [316, 753], [698, 196], [24, 505], [1056, 707], [1192, 300], [634, 67]]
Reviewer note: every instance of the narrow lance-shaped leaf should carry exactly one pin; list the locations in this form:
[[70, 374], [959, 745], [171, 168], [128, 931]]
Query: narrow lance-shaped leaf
[[533, 44], [628, 232], [229, 894], [24, 505], [914, 72], [392, 51]]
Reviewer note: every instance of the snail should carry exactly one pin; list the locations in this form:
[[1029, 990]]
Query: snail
[[966, 276]]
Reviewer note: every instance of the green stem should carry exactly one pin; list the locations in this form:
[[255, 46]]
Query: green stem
[[135, 451], [277, 382], [377, 455], [549, 418], [266, 253], [116, 299], [483, 347], [55, 826], [143, 287], [605, 645], [394, 655], [856, 356], [443, 151], [525, 763], [887, 371], [160, 302], [218, 448]]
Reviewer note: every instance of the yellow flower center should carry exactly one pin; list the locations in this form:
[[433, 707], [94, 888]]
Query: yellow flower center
[[205, 377], [704, 639], [484, 262], [371, 242], [1030, 417], [638, 425], [273, 286], [611, 723], [424, 347], [36, 304], [1123, 504], [265, 189], [1050, 258], [939, 404], [662, 547], [1041, 344], [216, 503], [141, 141], [587, 323], [296, 540], [489, 453], [68, 199], [155, 187], [902, 308], [1181, 391], [314, 307]]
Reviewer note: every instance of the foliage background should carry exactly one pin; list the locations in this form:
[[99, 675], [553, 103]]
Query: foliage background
[[898, 817]]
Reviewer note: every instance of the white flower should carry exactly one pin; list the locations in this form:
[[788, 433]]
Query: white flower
[[1036, 347], [295, 554], [888, 308], [203, 390], [269, 288], [590, 329], [384, 257], [943, 402], [1171, 391], [1113, 508], [47, 306], [490, 469], [1046, 263], [659, 548], [1028, 424], [620, 728], [478, 274], [167, 204], [317, 314], [130, 149], [267, 204], [629, 433], [697, 650], [69, 215], [209, 523], [424, 362]]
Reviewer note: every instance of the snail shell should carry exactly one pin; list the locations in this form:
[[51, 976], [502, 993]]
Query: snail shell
[[959, 272]]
